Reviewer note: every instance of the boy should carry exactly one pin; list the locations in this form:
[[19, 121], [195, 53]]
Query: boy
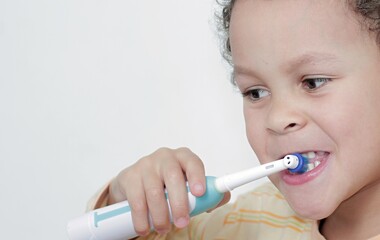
[[309, 72]]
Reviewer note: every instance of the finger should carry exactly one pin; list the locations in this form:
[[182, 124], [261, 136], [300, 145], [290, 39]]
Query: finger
[[118, 186], [178, 195], [193, 166], [137, 202], [157, 203]]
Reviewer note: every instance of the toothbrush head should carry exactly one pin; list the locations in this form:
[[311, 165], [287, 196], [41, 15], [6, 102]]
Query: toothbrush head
[[301, 166]]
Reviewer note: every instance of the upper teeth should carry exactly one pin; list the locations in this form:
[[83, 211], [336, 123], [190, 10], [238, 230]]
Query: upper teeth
[[309, 155]]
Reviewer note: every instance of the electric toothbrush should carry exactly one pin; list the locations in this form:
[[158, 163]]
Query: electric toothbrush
[[114, 222]]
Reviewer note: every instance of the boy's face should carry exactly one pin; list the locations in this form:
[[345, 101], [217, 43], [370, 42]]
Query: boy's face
[[311, 72]]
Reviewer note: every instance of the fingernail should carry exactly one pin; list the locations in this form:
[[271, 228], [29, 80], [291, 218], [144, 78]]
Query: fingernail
[[198, 188], [181, 222]]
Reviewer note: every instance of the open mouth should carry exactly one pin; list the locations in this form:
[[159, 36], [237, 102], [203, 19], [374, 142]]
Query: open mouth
[[314, 158]]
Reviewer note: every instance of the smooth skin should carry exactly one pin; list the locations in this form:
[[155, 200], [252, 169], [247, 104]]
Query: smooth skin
[[309, 71]]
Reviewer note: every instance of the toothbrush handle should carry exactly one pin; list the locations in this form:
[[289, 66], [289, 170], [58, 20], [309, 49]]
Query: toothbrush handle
[[231, 181], [114, 222]]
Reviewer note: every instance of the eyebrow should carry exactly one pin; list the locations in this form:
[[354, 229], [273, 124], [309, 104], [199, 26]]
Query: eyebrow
[[244, 71], [309, 58], [290, 66]]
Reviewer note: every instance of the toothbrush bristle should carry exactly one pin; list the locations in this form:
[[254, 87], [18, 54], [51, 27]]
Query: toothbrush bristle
[[302, 164]]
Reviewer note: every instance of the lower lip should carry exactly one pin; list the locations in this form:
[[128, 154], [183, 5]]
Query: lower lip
[[298, 179]]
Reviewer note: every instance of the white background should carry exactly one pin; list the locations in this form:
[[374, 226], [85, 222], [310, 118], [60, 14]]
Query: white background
[[89, 87]]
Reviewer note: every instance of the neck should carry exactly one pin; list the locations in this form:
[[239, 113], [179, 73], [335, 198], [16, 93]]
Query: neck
[[360, 213]]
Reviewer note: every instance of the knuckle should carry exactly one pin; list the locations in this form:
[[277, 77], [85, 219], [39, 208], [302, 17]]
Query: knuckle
[[186, 154], [154, 194], [200, 163], [184, 149], [138, 207], [127, 174], [182, 152], [174, 176], [161, 226], [142, 230], [164, 151], [145, 162]]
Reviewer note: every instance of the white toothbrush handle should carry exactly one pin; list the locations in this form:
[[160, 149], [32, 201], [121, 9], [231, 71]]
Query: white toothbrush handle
[[232, 181]]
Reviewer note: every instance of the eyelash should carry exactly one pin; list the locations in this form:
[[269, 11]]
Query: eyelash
[[322, 80], [254, 94], [250, 92]]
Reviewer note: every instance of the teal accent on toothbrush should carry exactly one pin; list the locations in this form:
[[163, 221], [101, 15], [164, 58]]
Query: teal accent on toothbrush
[[114, 222], [104, 216], [209, 200]]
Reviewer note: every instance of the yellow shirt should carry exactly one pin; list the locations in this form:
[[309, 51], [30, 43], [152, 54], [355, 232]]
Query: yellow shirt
[[258, 215]]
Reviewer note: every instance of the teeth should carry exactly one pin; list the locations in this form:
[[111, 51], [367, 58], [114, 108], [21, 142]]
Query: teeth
[[310, 166], [309, 155], [312, 157], [316, 163]]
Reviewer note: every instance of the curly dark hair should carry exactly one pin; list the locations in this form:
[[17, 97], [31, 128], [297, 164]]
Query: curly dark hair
[[367, 10]]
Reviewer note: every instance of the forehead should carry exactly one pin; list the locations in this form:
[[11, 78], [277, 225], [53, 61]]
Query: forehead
[[273, 30]]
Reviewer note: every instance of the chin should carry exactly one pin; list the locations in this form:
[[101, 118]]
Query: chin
[[313, 205], [316, 199], [315, 210]]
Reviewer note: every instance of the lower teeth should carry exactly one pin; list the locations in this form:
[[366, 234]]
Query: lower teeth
[[312, 165]]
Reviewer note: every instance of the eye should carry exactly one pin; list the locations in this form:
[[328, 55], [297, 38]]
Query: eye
[[256, 94], [312, 84]]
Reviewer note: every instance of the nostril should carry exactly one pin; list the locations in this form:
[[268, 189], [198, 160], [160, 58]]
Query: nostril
[[292, 125]]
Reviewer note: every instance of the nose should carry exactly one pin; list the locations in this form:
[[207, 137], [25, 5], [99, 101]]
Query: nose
[[285, 116]]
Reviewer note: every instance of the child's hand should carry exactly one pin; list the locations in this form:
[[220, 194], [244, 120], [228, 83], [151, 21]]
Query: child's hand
[[143, 183]]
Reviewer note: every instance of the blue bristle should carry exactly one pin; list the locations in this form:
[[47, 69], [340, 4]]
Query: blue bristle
[[302, 164]]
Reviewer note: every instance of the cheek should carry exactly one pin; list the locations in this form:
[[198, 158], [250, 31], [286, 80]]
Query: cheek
[[339, 122], [345, 114], [352, 122], [255, 130], [353, 119]]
